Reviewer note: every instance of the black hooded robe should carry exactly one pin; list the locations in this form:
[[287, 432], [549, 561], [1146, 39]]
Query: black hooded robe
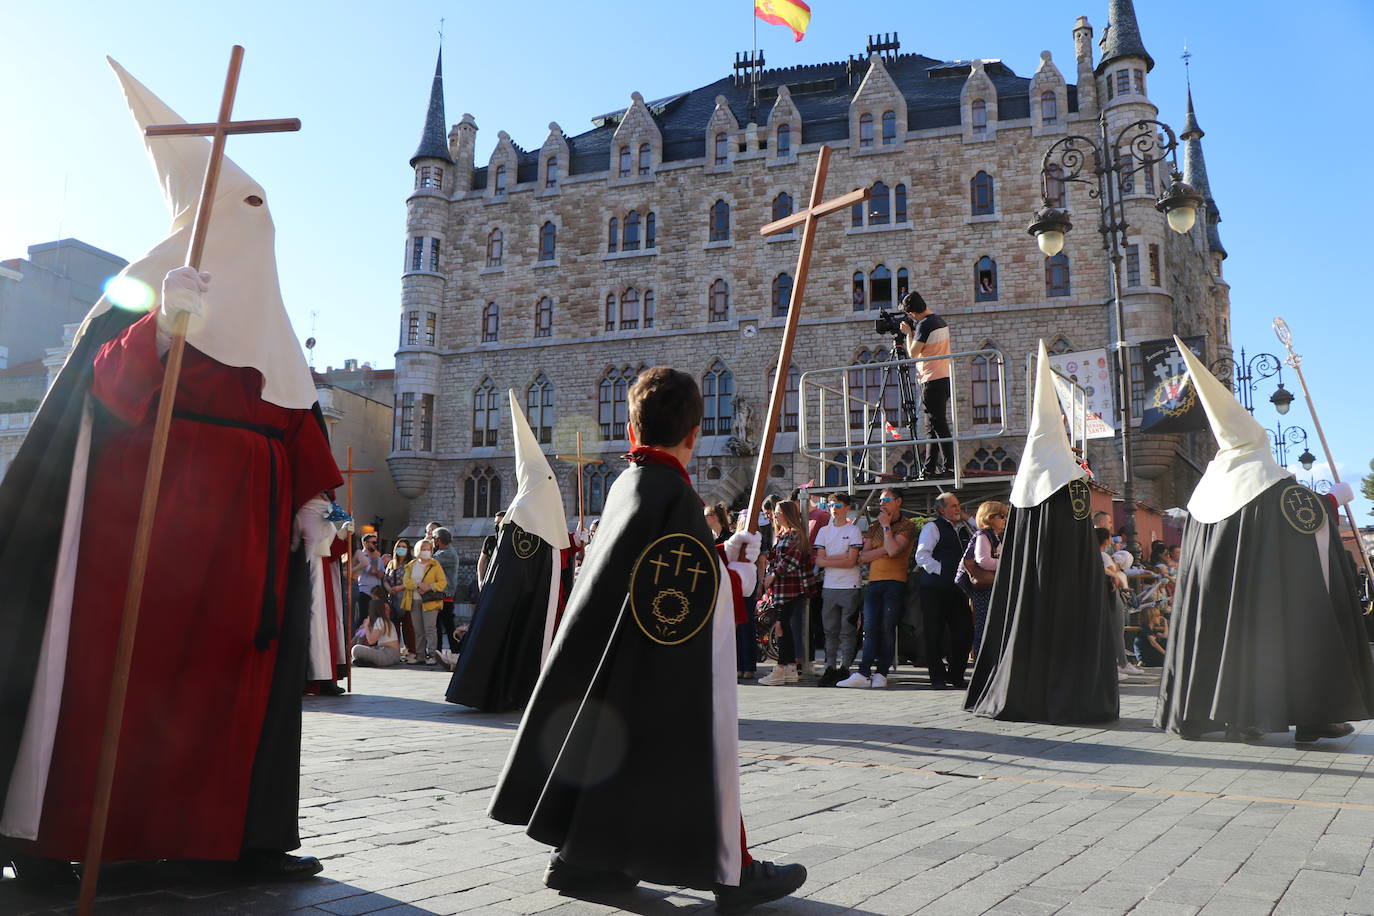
[[1258, 640], [627, 756], [1047, 653]]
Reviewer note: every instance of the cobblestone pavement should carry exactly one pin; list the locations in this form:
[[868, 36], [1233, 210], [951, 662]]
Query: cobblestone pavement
[[896, 801]]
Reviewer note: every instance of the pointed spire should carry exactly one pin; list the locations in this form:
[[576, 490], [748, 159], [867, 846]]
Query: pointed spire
[[1121, 37], [1191, 130], [1195, 174], [1047, 462], [432, 145]]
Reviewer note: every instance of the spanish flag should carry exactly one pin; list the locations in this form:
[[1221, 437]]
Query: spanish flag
[[794, 14]]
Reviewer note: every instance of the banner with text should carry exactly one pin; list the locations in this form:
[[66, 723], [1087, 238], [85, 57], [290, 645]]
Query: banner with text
[[1090, 370], [1171, 403]]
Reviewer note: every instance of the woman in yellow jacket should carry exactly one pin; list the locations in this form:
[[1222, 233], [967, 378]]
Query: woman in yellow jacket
[[422, 599]]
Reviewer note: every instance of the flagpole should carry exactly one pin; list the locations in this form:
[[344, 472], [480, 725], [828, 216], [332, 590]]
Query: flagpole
[[753, 71]]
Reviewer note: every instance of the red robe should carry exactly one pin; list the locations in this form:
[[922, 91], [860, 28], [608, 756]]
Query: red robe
[[198, 687]]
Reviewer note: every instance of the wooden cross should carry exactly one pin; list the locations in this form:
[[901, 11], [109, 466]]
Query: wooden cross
[[347, 609], [218, 131], [579, 461], [807, 219]]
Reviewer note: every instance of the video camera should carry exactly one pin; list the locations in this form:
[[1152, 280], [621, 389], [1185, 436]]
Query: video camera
[[891, 322]]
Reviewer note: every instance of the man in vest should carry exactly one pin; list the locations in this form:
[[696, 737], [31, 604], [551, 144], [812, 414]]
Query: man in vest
[[943, 606]]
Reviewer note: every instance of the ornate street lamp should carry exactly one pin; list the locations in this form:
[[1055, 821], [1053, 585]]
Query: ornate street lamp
[[1282, 437], [1245, 374], [1104, 164]]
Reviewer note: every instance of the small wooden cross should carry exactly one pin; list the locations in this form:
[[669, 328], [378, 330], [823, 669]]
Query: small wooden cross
[[348, 474], [807, 219], [579, 461]]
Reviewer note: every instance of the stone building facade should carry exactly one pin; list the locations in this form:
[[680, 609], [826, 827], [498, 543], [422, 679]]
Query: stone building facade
[[559, 272]]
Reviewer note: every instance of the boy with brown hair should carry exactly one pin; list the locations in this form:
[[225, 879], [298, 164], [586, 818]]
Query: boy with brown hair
[[632, 731]]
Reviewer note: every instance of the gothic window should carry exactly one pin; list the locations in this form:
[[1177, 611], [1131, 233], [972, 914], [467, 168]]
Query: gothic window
[[899, 204], [539, 408], [718, 390], [543, 318], [856, 215], [722, 148], [865, 130], [612, 235], [1054, 185], [903, 283], [782, 294], [597, 479], [889, 128], [1049, 107], [629, 240], [548, 241], [720, 221], [648, 308], [1123, 82], [629, 309], [836, 474], [782, 205], [482, 494], [1057, 275], [784, 139], [551, 172], [426, 422], [650, 230], [791, 397], [1154, 266], [1139, 81], [431, 329], [405, 421], [610, 311], [412, 329], [434, 255], [1137, 384], [880, 206], [986, 397], [860, 299], [866, 387], [1111, 90], [996, 461], [429, 177], [985, 280], [981, 194], [645, 158], [612, 407], [486, 414], [499, 182], [979, 111], [417, 254], [624, 163], [880, 287], [719, 309], [906, 466], [1060, 346], [491, 323], [1132, 265], [495, 248]]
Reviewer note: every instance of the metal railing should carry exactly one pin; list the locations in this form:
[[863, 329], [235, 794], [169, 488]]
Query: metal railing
[[1076, 410]]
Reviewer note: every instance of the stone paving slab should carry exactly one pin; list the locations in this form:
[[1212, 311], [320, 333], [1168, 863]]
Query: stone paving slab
[[897, 802]]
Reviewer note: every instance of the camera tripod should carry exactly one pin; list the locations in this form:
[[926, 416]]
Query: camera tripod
[[906, 395]]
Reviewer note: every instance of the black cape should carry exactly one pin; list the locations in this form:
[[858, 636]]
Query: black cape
[[500, 660], [33, 498], [1047, 653], [623, 760], [1257, 639]]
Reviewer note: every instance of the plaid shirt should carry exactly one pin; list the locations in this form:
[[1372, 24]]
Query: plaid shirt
[[791, 572]]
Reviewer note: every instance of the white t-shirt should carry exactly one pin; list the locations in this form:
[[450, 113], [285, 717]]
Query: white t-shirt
[[837, 539]]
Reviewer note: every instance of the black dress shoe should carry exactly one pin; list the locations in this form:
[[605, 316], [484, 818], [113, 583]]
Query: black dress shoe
[[832, 677], [1306, 734], [266, 865], [330, 689], [759, 882], [41, 873], [562, 875], [938, 685]]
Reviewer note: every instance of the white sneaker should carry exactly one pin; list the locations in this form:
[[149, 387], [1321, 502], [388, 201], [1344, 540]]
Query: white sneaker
[[776, 678], [1131, 669], [878, 681], [854, 680], [1122, 675], [790, 672]]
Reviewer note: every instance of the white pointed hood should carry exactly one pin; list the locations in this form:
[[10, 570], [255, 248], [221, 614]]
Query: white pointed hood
[[538, 504], [1047, 464], [246, 323], [1244, 467]]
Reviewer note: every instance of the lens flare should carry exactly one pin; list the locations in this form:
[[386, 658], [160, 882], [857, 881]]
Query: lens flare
[[128, 293]]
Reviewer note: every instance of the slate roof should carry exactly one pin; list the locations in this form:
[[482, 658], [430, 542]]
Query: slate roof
[[433, 142], [1121, 37], [1195, 174]]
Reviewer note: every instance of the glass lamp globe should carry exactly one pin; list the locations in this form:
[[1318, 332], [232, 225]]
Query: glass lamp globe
[[1181, 219], [1051, 242]]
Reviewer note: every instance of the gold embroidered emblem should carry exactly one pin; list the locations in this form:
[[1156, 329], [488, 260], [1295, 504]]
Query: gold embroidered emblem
[[1302, 508], [1080, 499], [673, 589], [523, 543]]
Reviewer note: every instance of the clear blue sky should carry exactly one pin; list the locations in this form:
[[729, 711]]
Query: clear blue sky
[[1276, 86]]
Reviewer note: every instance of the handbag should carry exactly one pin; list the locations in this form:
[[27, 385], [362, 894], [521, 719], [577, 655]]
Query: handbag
[[978, 578]]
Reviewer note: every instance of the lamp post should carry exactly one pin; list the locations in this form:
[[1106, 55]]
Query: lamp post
[[1282, 437], [1317, 486], [1245, 374], [1103, 163]]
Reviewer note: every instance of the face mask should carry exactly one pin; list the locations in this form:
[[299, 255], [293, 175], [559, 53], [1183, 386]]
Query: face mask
[[425, 554], [401, 551]]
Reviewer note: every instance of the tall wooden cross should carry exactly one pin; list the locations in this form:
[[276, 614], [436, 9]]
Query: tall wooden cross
[[579, 461], [807, 219], [217, 131], [349, 473]]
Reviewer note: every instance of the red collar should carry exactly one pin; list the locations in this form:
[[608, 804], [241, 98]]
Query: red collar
[[642, 454]]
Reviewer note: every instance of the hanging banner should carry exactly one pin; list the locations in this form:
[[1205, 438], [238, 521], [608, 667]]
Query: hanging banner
[[1171, 402], [1090, 370]]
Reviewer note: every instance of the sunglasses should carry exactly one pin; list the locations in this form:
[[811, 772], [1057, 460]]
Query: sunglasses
[[884, 499]]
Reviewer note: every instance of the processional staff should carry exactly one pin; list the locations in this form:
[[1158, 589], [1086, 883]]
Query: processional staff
[[579, 462]]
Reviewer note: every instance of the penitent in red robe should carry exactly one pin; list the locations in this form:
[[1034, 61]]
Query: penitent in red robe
[[199, 687]]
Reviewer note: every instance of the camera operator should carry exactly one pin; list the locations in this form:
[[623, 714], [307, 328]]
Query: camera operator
[[927, 335]]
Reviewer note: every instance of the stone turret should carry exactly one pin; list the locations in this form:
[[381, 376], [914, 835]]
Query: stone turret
[[1121, 37], [1087, 79]]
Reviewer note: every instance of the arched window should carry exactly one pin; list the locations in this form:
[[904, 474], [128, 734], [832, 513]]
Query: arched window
[[899, 204], [722, 148], [551, 172], [610, 311], [791, 397], [597, 479], [784, 139], [719, 307], [782, 205], [860, 297], [981, 194], [979, 111], [889, 128], [491, 323], [985, 280], [866, 387], [648, 308], [624, 170], [548, 241], [1049, 108], [836, 474], [1057, 275], [612, 409], [905, 467], [782, 294], [629, 241], [986, 399], [645, 158], [880, 287], [1061, 345], [996, 461], [650, 230], [879, 206], [486, 414], [543, 317], [629, 309], [1054, 185], [612, 235], [856, 215], [495, 248], [539, 408], [720, 221], [498, 185], [903, 283], [482, 494], [718, 391], [865, 130]]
